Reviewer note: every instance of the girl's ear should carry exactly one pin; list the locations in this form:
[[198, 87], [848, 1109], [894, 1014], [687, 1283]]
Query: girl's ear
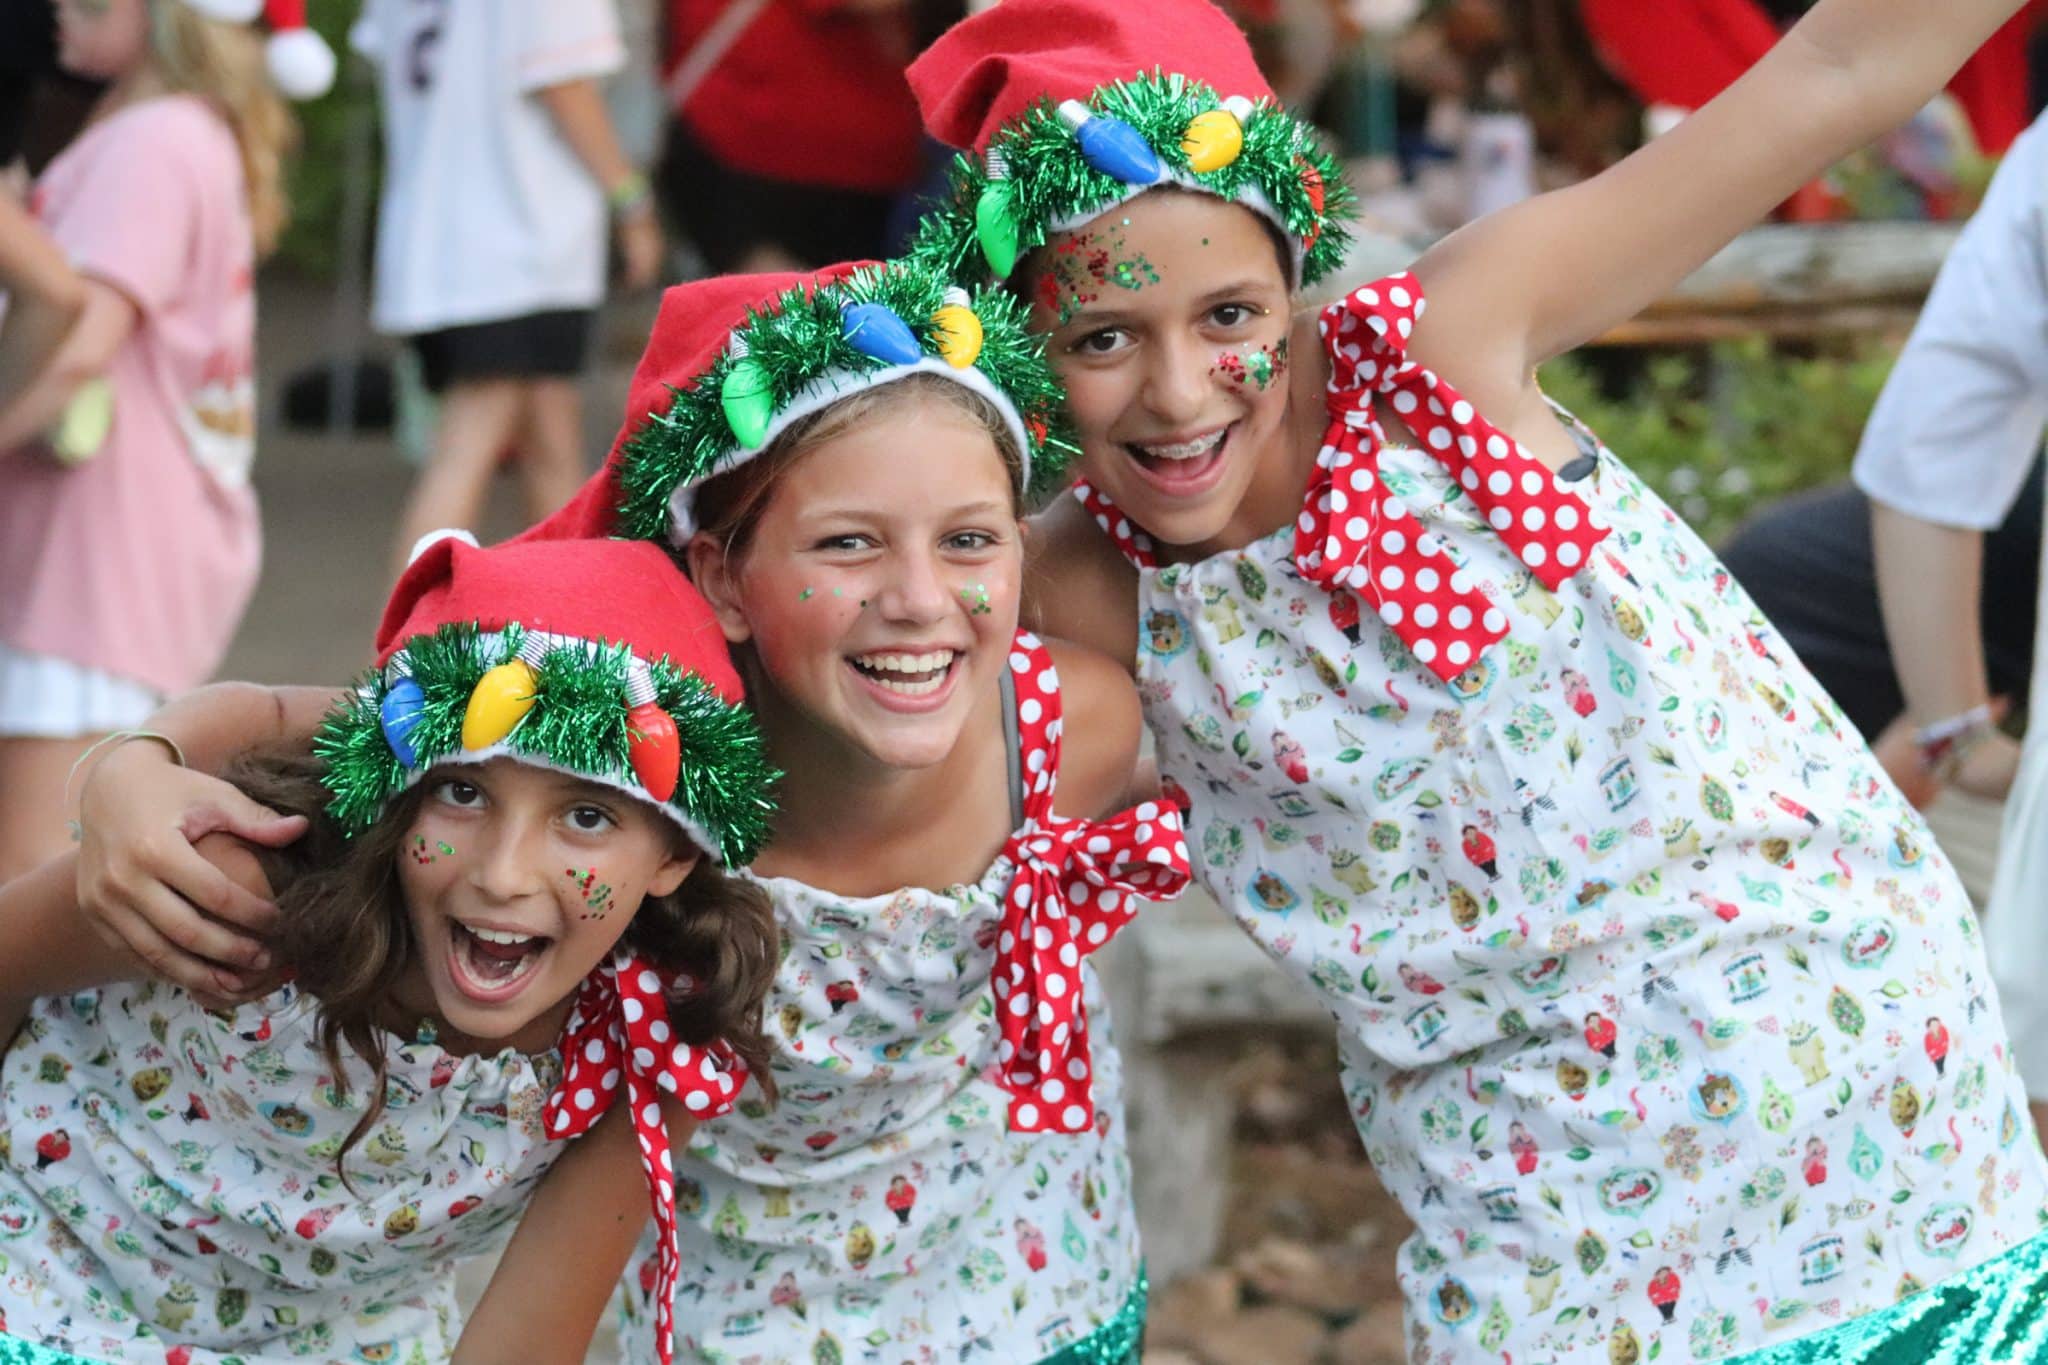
[[712, 569], [681, 862]]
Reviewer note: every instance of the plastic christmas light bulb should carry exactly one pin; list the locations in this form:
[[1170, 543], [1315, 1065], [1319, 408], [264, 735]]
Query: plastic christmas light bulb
[[1110, 145], [398, 715], [874, 330], [652, 745], [747, 397], [502, 697], [957, 329]]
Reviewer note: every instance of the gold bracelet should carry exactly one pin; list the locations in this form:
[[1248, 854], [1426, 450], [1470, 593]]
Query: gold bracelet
[[117, 738]]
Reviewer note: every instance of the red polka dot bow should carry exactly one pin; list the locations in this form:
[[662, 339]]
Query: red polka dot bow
[[1353, 533], [1075, 886], [619, 1031]]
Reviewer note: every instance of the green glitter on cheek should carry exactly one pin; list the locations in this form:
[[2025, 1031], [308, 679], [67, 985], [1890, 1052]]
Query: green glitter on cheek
[[804, 595], [976, 599], [597, 895], [447, 851], [419, 851]]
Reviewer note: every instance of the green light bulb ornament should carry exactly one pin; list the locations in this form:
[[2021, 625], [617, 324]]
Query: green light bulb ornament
[[747, 396], [995, 224]]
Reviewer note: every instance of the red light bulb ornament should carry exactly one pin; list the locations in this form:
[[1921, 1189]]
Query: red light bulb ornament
[[503, 696], [1312, 182], [1110, 145], [652, 745]]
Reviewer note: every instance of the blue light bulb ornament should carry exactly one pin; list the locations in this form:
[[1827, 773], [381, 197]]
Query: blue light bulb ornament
[[1111, 146], [874, 330], [399, 715]]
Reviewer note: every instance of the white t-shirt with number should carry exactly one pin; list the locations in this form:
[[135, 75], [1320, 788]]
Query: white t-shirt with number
[[487, 213]]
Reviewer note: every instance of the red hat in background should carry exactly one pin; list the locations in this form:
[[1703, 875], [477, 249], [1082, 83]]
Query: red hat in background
[[993, 66], [301, 64]]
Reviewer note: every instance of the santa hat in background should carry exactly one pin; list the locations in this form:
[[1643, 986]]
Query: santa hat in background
[[1066, 109], [301, 64], [591, 657], [733, 361]]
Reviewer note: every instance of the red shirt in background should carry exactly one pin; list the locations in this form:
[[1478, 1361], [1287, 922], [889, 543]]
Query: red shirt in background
[[1685, 52], [810, 93]]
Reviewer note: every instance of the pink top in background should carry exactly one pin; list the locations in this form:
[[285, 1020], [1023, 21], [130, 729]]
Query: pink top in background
[[141, 560]]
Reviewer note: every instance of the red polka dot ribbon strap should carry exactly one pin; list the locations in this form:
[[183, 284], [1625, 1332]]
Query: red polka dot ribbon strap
[[1353, 533], [619, 1031], [1135, 544], [1075, 886]]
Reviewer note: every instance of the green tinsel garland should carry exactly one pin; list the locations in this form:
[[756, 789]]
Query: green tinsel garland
[[578, 722], [1050, 181], [799, 340]]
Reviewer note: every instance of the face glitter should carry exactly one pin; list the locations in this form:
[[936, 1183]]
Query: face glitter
[[976, 599], [419, 851], [597, 895]]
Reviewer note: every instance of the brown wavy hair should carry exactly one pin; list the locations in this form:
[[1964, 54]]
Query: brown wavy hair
[[346, 936], [223, 63]]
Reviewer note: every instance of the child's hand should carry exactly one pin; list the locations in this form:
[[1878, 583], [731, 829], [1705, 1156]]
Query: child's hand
[[145, 889]]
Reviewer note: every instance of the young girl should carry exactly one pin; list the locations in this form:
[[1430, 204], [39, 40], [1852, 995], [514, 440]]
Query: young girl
[[507, 913], [1640, 966], [122, 578], [845, 457]]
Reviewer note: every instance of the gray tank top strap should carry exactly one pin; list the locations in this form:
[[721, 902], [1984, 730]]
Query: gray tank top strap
[[1011, 756]]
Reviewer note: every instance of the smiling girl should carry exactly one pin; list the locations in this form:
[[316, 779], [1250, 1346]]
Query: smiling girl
[[1478, 740], [506, 912], [843, 459]]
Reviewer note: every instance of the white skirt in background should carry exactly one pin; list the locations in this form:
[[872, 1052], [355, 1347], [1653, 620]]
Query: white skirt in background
[[42, 697]]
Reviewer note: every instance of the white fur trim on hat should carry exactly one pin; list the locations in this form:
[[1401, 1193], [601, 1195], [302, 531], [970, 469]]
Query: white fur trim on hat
[[1251, 196], [301, 64], [433, 538], [826, 390]]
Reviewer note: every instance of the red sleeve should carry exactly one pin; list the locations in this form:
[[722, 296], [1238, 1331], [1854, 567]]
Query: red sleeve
[[1681, 52]]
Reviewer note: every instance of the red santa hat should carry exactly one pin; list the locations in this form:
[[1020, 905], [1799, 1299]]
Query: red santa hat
[[592, 657], [301, 64], [1072, 107], [735, 360]]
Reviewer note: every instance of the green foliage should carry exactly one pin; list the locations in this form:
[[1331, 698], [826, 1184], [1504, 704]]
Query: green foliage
[[1721, 432]]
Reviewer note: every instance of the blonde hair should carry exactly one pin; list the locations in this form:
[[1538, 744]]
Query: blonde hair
[[224, 65]]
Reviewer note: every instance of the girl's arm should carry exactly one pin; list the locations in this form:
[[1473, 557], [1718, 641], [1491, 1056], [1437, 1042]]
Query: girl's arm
[[1077, 584], [46, 297], [1100, 772], [104, 322], [570, 1250], [578, 110], [1530, 282], [140, 880], [48, 948]]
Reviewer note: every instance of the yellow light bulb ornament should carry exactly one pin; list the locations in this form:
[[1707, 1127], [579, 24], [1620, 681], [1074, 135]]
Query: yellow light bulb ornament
[[1215, 139], [957, 331], [502, 697]]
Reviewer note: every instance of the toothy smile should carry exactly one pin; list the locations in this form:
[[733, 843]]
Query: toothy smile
[[489, 964], [910, 675], [1193, 449]]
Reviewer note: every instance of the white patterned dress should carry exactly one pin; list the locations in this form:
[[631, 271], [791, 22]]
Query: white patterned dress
[[1659, 1010], [887, 1210], [168, 1192]]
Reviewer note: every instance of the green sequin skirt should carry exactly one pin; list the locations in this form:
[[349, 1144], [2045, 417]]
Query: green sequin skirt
[[1993, 1314], [15, 1351], [1116, 1342]]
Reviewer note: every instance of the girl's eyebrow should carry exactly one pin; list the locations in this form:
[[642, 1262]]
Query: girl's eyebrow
[[826, 511], [1091, 318]]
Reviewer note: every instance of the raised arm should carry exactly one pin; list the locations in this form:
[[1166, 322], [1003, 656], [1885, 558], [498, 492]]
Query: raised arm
[[1530, 282], [139, 880], [543, 1305], [47, 296]]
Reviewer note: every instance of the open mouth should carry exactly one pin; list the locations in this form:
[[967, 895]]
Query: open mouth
[[1182, 467], [907, 675], [492, 965]]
